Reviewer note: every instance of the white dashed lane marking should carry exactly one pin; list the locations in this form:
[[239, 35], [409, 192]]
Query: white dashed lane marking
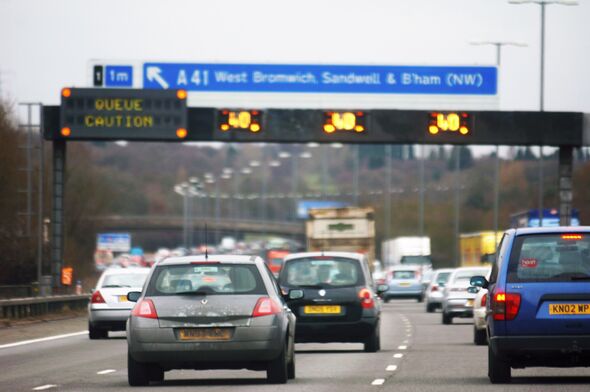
[[44, 387], [107, 371], [402, 347], [391, 368], [398, 355], [378, 381]]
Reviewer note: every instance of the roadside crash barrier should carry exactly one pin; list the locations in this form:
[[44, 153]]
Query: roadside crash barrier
[[18, 308]]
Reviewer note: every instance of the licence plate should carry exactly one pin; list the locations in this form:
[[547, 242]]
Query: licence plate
[[404, 284], [322, 309], [122, 298], [205, 334], [469, 302], [569, 308]]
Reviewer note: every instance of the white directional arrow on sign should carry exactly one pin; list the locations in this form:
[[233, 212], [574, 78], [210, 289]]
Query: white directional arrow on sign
[[153, 74]]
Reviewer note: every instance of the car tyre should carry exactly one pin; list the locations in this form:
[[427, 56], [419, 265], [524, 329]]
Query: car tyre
[[277, 369], [446, 318], [137, 373], [97, 333], [480, 337], [386, 299], [156, 374], [420, 299], [498, 370], [430, 308], [373, 342]]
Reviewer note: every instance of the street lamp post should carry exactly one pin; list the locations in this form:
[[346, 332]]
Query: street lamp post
[[498, 45], [542, 4], [188, 190]]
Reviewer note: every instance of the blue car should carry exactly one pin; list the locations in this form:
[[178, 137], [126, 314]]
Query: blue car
[[539, 308]]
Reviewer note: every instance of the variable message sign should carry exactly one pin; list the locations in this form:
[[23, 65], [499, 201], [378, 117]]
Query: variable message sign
[[102, 114]]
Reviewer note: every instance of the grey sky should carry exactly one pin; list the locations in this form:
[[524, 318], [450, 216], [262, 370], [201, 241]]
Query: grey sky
[[46, 45]]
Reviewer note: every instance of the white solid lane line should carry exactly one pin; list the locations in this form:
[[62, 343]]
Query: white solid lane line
[[44, 387], [391, 368], [107, 371], [24, 342], [378, 381]]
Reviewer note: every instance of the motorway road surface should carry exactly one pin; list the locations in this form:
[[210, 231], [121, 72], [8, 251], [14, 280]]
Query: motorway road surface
[[418, 354]]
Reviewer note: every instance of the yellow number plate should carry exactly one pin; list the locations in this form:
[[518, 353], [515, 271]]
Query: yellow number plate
[[469, 302], [569, 308], [404, 284], [122, 298], [205, 334], [322, 309]]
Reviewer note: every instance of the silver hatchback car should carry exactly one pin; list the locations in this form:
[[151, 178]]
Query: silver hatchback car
[[215, 312]]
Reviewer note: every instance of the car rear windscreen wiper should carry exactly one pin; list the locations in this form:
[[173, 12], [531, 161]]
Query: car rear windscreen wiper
[[315, 286], [114, 285], [580, 277], [192, 293]]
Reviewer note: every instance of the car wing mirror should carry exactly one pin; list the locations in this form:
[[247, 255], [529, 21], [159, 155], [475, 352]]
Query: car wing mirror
[[133, 296], [382, 288], [473, 289], [479, 281], [295, 294]]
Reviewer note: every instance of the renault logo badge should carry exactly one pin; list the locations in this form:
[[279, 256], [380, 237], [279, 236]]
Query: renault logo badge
[[204, 301], [322, 292]]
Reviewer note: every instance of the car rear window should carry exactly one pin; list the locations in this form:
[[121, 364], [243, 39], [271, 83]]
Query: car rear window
[[322, 272], [466, 275], [403, 274], [442, 277], [221, 279], [550, 258], [124, 280]]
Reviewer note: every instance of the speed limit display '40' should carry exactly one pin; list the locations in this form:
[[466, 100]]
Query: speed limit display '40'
[[449, 122]]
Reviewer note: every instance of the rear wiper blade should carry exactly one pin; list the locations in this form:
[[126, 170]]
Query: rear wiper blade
[[314, 286], [580, 277], [191, 293], [109, 286]]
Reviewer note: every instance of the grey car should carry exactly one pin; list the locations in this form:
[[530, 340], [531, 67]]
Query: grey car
[[210, 312]]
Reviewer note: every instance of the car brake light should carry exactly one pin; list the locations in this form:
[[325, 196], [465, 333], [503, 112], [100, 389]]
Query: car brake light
[[145, 308], [484, 300], [571, 236], [366, 296], [434, 288], [505, 306], [265, 307], [97, 298]]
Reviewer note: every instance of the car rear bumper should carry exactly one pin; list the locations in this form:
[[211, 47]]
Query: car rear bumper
[[323, 332], [554, 351], [248, 344], [113, 319], [458, 307], [403, 294]]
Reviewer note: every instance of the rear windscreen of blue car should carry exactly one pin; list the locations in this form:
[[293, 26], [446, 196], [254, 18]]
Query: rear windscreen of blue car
[[403, 275], [550, 258]]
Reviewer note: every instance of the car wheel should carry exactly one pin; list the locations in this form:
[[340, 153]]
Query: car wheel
[[446, 318], [276, 370], [373, 342], [430, 308], [156, 373], [479, 336], [137, 373], [420, 299], [498, 370], [97, 333], [386, 299], [291, 366]]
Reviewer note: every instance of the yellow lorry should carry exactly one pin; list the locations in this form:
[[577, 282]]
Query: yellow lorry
[[479, 248]]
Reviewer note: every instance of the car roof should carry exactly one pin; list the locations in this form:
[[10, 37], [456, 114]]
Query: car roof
[[350, 255], [126, 271], [475, 267], [549, 230], [233, 259]]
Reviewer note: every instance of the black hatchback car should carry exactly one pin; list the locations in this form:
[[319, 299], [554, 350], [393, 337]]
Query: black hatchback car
[[333, 296]]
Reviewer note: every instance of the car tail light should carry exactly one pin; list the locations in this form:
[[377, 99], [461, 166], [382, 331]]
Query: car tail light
[[97, 298], [434, 288], [366, 296], [484, 300], [145, 308], [265, 307], [505, 306]]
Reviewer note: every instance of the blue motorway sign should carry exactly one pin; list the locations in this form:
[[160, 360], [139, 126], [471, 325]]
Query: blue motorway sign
[[115, 242], [118, 76], [359, 79], [303, 206]]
